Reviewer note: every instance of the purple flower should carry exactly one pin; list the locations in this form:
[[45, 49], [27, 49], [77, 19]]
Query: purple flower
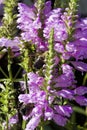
[[10, 43], [54, 21], [80, 90], [63, 110], [67, 69], [79, 65], [81, 29], [58, 47], [81, 100], [37, 110], [47, 8], [13, 119], [78, 48], [30, 24], [2, 1], [68, 94], [48, 113], [79, 33], [35, 81], [33, 123], [60, 120], [64, 81], [35, 97], [24, 98]]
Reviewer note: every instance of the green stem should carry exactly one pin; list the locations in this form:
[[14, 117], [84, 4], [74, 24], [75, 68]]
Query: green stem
[[14, 80], [84, 79], [17, 73], [7, 105], [23, 124], [41, 128], [3, 72], [26, 84], [9, 64], [7, 121]]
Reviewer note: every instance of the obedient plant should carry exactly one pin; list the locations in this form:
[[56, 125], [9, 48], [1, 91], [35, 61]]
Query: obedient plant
[[43, 47]]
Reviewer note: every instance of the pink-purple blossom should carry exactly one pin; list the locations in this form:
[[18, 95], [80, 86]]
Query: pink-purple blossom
[[79, 65], [13, 119], [60, 120], [53, 21], [43, 93], [81, 100], [63, 110]]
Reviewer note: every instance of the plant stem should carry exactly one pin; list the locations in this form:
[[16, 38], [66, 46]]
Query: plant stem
[[3, 72], [25, 79], [41, 128], [17, 73], [9, 64], [84, 79], [7, 122], [23, 124]]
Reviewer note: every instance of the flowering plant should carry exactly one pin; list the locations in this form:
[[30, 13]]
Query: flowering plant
[[43, 53]]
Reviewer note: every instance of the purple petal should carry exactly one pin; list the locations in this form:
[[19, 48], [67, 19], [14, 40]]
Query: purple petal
[[80, 90], [47, 7], [24, 98], [59, 47], [48, 113], [81, 66], [33, 123], [81, 100], [63, 110], [68, 94], [60, 120], [64, 81], [14, 119]]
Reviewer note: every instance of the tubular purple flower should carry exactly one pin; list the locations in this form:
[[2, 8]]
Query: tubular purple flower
[[65, 110], [80, 90], [67, 69], [29, 22], [54, 21], [47, 8], [48, 113], [13, 119], [35, 79], [81, 100], [33, 123], [60, 120], [65, 93], [5, 42], [24, 98], [58, 47], [79, 65], [78, 48], [64, 81]]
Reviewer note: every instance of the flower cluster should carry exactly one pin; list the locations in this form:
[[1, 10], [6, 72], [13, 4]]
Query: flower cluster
[[52, 87], [64, 84]]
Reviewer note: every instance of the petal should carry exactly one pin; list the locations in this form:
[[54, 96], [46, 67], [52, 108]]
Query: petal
[[81, 100], [33, 123], [80, 90], [60, 120], [81, 66]]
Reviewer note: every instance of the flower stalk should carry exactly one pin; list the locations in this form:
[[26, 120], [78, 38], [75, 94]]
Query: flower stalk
[[50, 59], [8, 28]]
